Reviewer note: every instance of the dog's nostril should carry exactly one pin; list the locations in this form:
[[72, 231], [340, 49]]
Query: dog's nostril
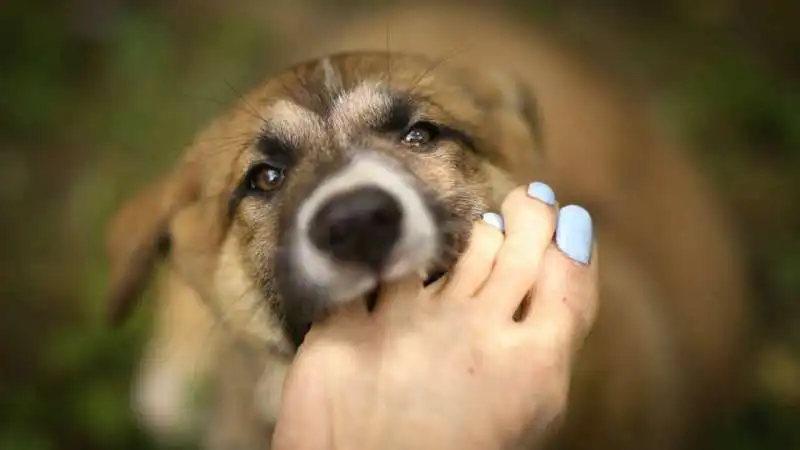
[[359, 226]]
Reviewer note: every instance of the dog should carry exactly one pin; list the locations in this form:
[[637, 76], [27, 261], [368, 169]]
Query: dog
[[360, 163]]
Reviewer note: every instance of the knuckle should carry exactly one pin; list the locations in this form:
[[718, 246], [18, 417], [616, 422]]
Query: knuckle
[[514, 198], [483, 232], [519, 268], [518, 205], [516, 257], [486, 241]]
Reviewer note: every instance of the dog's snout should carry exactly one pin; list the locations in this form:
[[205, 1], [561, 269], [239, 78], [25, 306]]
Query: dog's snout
[[360, 226]]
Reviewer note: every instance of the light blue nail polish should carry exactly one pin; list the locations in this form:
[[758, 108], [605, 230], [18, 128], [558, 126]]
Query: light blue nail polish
[[542, 192], [574, 233], [494, 220]]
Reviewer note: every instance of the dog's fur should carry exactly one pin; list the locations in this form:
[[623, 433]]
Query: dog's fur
[[243, 280]]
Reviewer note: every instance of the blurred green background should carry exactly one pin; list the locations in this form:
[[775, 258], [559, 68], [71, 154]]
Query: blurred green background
[[97, 96]]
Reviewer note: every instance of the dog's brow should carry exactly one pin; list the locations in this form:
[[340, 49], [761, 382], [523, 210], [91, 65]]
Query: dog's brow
[[293, 124], [420, 99], [401, 110], [275, 149], [367, 103]]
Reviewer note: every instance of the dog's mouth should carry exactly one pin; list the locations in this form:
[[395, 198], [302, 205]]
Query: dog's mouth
[[370, 299], [363, 228], [436, 276]]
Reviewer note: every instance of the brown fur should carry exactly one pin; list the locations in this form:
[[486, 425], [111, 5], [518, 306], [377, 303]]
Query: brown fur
[[666, 351]]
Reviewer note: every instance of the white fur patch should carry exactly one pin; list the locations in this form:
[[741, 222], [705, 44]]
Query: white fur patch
[[418, 242], [162, 399], [246, 310], [294, 123], [333, 80], [364, 104], [269, 389]]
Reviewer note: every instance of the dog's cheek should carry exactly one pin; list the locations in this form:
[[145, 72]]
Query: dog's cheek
[[467, 211], [458, 212], [485, 189], [500, 183], [241, 294], [457, 191], [197, 235]]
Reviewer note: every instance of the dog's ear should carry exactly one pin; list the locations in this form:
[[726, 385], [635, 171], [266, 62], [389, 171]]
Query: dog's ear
[[138, 235], [515, 115], [518, 99], [527, 105]]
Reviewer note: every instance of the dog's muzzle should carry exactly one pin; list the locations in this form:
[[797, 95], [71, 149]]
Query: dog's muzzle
[[366, 224]]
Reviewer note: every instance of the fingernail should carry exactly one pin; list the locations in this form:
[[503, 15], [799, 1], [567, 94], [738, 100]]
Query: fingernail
[[494, 220], [574, 233], [542, 192]]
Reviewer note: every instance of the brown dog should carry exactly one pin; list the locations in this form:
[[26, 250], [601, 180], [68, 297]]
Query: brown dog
[[352, 168]]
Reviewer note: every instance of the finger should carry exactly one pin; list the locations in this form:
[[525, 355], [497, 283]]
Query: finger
[[474, 266], [566, 297], [345, 314], [399, 297], [529, 222]]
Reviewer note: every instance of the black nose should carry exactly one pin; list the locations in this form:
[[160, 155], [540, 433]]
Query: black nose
[[360, 226]]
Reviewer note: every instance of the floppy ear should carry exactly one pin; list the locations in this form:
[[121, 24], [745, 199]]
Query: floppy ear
[[516, 116], [138, 235]]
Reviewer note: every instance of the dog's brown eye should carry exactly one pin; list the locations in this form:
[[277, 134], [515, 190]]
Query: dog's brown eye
[[266, 178], [420, 133]]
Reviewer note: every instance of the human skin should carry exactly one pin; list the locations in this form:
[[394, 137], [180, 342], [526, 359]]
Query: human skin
[[447, 366]]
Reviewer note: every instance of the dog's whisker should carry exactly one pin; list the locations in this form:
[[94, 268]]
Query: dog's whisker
[[435, 65], [223, 104], [241, 97], [388, 56]]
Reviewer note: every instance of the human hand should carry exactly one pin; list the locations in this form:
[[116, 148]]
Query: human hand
[[447, 366]]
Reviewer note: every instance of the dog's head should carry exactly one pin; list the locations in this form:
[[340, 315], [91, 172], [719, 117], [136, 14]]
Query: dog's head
[[332, 177]]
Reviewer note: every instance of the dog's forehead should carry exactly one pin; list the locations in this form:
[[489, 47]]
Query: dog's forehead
[[322, 106], [314, 107], [366, 103], [325, 106]]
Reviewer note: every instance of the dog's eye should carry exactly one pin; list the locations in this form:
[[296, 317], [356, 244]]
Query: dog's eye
[[265, 178], [420, 133]]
